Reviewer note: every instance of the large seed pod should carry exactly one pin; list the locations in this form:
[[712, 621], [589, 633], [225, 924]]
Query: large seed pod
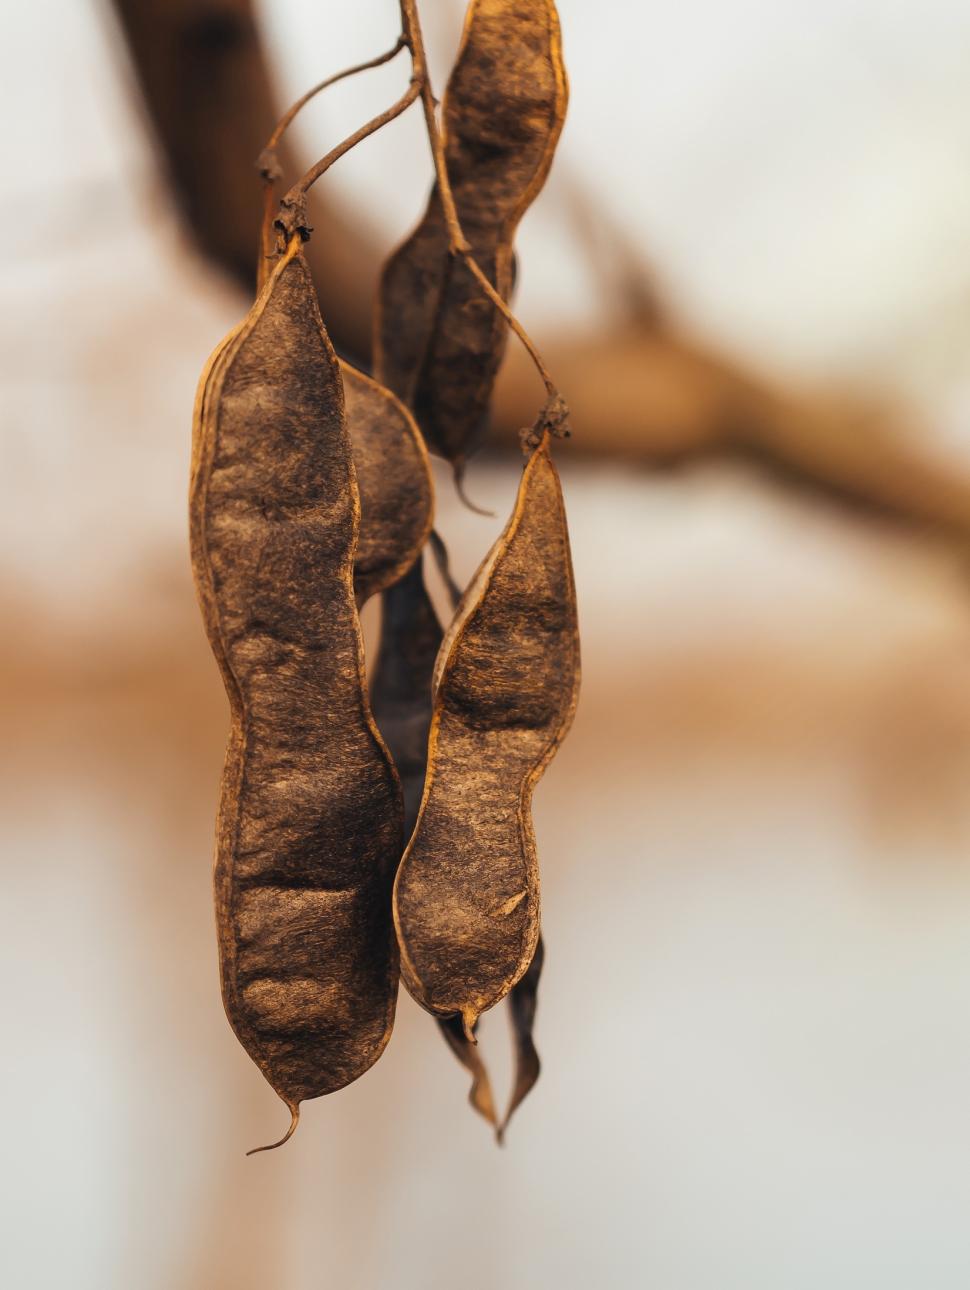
[[310, 820], [438, 339], [393, 480], [401, 700], [466, 897]]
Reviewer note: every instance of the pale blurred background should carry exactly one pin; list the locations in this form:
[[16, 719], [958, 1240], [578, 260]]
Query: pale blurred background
[[755, 1014]]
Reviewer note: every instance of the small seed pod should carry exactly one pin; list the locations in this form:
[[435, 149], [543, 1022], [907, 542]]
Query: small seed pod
[[310, 821], [466, 897], [401, 701], [401, 686], [438, 339], [393, 480]]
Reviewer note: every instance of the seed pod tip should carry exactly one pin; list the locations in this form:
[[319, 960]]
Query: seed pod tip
[[469, 1020], [294, 1121], [459, 475]]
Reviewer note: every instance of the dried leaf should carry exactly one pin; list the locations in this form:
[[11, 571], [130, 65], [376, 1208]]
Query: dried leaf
[[438, 339], [309, 828], [440, 553], [480, 1094], [523, 1000], [466, 897]]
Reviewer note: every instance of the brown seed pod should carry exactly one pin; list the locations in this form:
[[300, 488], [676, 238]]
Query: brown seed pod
[[466, 896], [438, 339], [393, 480], [401, 701], [390, 460], [401, 686], [310, 820]]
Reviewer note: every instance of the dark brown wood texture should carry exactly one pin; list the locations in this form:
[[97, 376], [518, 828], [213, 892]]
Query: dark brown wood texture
[[467, 891], [310, 821], [393, 480], [438, 339]]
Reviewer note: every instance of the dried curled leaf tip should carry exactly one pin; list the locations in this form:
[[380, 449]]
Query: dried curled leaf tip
[[523, 1001], [440, 553], [294, 1121], [480, 1094], [458, 473], [469, 1020]]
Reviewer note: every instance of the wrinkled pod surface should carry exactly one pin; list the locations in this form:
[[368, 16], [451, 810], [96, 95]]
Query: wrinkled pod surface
[[310, 821], [466, 896]]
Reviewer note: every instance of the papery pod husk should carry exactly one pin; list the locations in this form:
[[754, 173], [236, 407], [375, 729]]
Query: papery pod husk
[[401, 700], [310, 820], [439, 340], [466, 896], [401, 684], [394, 482]]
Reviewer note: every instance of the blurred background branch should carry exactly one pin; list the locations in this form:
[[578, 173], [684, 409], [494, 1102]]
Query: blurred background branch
[[208, 99], [643, 389]]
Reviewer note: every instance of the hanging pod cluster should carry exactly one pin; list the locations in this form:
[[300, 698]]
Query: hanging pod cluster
[[371, 828]]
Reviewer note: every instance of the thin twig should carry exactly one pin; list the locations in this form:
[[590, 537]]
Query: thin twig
[[287, 118], [268, 162], [292, 217]]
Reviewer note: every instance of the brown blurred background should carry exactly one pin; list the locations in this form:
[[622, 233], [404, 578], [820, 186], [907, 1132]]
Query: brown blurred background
[[751, 272]]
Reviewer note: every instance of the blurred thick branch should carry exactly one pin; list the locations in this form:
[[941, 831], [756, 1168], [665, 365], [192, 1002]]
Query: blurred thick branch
[[645, 390], [208, 94], [657, 395]]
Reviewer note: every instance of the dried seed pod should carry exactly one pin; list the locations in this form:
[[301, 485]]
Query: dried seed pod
[[523, 1000], [401, 701], [393, 480], [438, 339], [401, 686], [466, 897], [390, 459], [310, 820]]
